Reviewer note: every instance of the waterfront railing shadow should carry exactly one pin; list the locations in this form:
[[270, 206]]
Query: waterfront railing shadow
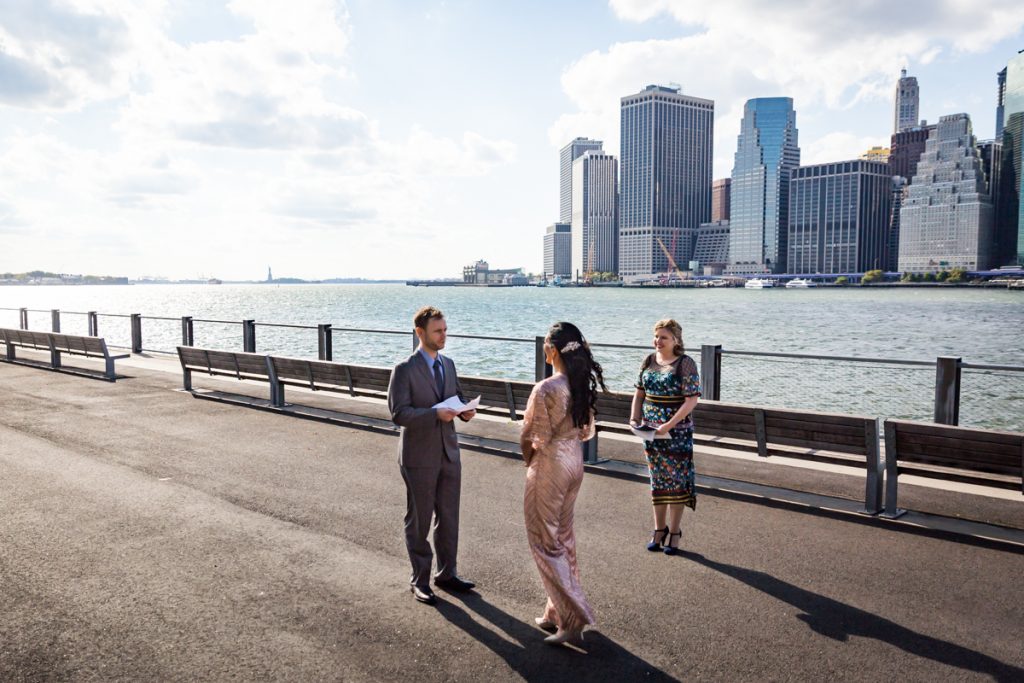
[[884, 387]]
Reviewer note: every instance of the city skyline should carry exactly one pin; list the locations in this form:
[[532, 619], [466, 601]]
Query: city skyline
[[306, 136]]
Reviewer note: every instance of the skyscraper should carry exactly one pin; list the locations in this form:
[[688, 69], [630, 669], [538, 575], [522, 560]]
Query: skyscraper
[[720, 197], [839, 217], [907, 103], [558, 250], [1010, 221], [906, 147], [946, 218], [666, 177], [1000, 102], [595, 215], [569, 154], [767, 151]]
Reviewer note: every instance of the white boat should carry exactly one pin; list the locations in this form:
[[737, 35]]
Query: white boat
[[758, 283], [800, 283]]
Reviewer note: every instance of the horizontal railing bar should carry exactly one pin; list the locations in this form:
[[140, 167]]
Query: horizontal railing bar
[[294, 327], [217, 322], [851, 359], [978, 366], [477, 336], [356, 329], [159, 317], [112, 315]]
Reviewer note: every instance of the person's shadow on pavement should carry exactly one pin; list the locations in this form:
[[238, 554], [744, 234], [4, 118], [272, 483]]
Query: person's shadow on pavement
[[531, 658], [839, 621]]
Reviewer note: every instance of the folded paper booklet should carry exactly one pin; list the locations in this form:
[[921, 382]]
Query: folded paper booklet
[[647, 432], [458, 406]]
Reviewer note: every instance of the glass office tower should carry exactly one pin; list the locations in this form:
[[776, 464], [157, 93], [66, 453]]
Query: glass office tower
[[767, 151], [570, 153], [1010, 212]]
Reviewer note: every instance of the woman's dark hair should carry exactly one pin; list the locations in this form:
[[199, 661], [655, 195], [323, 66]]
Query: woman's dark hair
[[584, 373]]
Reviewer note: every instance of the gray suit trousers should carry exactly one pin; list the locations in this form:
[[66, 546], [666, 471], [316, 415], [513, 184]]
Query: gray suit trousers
[[432, 493]]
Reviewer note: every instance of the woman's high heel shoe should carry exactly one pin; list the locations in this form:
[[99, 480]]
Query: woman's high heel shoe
[[673, 549], [655, 545], [545, 625], [566, 637]]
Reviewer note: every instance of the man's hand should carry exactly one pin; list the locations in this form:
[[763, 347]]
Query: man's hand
[[467, 415], [445, 414]]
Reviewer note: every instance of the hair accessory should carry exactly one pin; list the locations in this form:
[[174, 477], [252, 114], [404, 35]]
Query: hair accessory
[[571, 346]]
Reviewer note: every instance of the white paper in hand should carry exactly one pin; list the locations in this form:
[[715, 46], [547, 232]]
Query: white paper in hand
[[647, 433], [453, 403]]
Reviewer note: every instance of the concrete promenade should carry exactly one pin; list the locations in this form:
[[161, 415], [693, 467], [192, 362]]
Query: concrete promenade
[[147, 535]]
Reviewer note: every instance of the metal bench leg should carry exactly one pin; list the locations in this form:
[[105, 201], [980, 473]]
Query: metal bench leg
[[590, 450], [10, 352], [873, 484], [55, 359], [111, 375], [277, 394], [186, 379], [891, 475]]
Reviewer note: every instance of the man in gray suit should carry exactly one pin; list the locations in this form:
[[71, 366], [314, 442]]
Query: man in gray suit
[[428, 453]]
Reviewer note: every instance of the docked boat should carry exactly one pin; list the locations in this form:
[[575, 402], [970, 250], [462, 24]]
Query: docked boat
[[758, 283], [800, 283]]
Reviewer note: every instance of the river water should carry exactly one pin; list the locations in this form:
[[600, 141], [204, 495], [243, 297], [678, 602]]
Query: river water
[[983, 326]]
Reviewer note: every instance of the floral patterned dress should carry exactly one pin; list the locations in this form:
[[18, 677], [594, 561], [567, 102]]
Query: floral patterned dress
[[670, 460]]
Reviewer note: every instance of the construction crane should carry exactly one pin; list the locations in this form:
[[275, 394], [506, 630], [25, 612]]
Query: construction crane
[[671, 260]]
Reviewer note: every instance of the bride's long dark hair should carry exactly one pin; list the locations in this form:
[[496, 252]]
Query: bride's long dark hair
[[584, 373]]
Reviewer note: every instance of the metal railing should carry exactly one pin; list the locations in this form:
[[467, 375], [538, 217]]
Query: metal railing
[[888, 387]]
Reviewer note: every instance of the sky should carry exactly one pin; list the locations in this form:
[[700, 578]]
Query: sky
[[406, 139]]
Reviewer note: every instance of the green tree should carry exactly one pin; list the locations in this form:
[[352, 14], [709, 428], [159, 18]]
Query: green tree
[[928, 277], [957, 275], [842, 280], [872, 276], [906, 277], [941, 276]]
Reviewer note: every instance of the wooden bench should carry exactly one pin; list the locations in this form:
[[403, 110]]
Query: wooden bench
[[58, 344], [252, 366], [848, 440], [319, 375], [972, 456]]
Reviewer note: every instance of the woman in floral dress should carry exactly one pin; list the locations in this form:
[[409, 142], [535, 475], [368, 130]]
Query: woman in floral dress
[[667, 391]]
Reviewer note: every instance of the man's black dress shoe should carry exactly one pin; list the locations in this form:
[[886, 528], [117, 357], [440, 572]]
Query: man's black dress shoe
[[455, 584], [424, 594]]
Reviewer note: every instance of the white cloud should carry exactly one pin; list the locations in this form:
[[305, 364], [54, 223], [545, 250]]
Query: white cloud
[[827, 56]]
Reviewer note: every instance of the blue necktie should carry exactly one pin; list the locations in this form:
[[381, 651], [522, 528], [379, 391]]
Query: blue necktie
[[438, 377]]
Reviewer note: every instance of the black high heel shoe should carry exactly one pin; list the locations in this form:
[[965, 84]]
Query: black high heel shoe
[[654, 546], [670, 549]]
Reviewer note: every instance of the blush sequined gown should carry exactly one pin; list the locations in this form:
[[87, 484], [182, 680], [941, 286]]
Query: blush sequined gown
[[552, 446]]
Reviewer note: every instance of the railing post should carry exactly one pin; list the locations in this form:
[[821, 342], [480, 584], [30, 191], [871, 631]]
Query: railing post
[[23, 318], [415, 341], [187, 335], [249, 336], [947, 390], [55, 320], [93, 323], [711, 371], [325, 342], [541, 367], [136, 333]]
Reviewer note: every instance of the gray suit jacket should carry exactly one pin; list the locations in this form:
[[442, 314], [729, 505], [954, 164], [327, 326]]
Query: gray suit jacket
[[424, 441]]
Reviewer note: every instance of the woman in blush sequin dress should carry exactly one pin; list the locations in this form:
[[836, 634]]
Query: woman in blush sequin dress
[[559, 417]]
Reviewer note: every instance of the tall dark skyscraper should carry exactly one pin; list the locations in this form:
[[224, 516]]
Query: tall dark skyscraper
[[1000, 102], [906, 148], [1010, 208], [665, 171], [570, 153], [839, 217], [720, 197], [767, 151]]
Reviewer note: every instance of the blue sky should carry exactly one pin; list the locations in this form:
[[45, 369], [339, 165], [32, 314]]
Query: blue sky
[[378, 138]]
